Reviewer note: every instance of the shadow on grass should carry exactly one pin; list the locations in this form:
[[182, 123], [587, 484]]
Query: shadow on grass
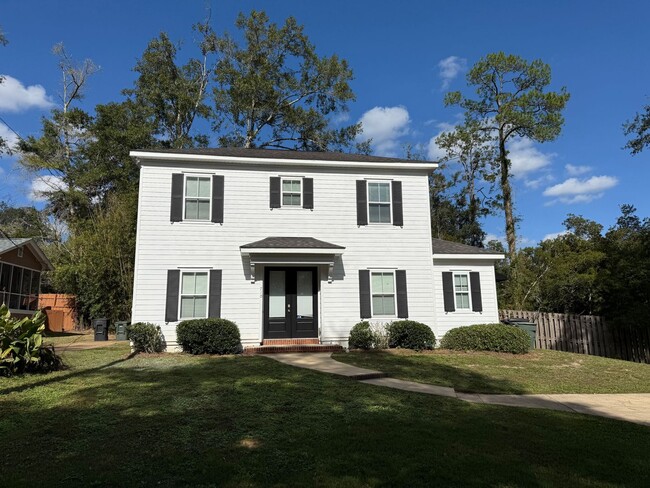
[[178, 420]]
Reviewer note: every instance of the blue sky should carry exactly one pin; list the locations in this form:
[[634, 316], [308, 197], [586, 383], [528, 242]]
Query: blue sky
[[405, 55]]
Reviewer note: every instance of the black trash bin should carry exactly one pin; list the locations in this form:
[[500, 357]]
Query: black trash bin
[[529, 327], [101, 329], [120, 331]]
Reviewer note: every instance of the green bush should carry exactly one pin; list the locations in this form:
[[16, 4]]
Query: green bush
[[21, 345], [146, 337], [408, 334], [361, 337], [209, 336], [487, 337]]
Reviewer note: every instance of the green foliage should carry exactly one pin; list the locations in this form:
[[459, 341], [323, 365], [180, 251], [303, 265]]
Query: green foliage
[[24, 222], [209, 336], [487, 337], [273, 90], [146, 337], [639, 129], [21, 345], [408, 334], [361, 337]]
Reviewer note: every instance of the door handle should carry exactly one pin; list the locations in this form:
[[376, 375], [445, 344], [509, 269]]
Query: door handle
[[289, 307]]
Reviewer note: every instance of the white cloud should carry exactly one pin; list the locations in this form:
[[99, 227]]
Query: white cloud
[[434, 152], [385, 125], [9, 137], [574, 190], [16, 97], [573, 170], [450, 68], [42, 185], [526, 158], [537, 182], [554, 235]]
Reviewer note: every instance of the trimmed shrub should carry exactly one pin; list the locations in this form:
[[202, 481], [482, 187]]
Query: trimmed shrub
[[409, 334], [361, 337], [209, 336], [146, 337], [487, 337], [21, 345]]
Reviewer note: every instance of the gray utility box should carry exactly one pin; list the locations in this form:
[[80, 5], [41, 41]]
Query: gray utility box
[[120, 331], [529, 327], [101, 329]]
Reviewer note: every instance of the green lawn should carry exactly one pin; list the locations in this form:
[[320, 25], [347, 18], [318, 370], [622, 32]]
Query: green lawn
[[179, 420], [540, 371]]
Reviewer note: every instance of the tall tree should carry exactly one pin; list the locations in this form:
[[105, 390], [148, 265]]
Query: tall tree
[[274, 91], [3, 42], [24, 222], [512, 102], [639, 129], [172, 95]]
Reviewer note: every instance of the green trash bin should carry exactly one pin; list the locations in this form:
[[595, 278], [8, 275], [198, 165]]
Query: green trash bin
[[120, 331], [529, 327]]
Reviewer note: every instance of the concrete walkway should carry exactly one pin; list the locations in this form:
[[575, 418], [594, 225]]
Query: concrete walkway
[[631, 407]]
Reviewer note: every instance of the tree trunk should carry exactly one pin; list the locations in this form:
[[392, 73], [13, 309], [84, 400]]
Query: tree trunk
[[506, 190]]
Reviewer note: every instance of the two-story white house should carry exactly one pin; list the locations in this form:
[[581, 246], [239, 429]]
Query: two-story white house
[[297, 247]]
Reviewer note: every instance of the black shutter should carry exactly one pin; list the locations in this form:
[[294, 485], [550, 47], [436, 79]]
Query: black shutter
[[275, 192], [214, 307], [364, 293], [475, 287], [402, 299], [398, 217], [217, 199], [362, 203], [177, 198], [307, 193], [171, 308], [448, 291]]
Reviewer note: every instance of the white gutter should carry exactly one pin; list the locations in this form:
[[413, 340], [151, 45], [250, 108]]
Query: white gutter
[[469, 256], [205, 158], [290, 250]]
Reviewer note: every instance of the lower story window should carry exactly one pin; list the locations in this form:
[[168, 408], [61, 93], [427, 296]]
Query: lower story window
[[461, 291], [194, 295], [383, 294], [19, 287]]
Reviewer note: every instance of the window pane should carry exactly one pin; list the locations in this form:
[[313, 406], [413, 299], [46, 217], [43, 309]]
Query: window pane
[[36, 276], [388, 282], [5, 277], [373, 192], [276, 294], [286, 185], [191, 209], [295, 186], [27, 276], [377, 306], [373, 215], [200, 304], [286, 199], [462, 300], [201, 280], [305, 298], [461, 282], [389, 305], [384, 214], [187, 307], [191, 187], [384, 192], [204, 210], [377, 283], [188, 284], [15, 280], [14, 300], [204, 187]]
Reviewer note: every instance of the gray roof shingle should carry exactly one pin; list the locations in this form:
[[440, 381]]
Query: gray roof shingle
[[291, 243], [447, 247]]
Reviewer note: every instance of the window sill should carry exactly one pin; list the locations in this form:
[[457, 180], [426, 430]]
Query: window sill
[[196, 222]]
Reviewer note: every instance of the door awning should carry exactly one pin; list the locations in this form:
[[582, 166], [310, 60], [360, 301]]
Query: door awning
[[291, 251]]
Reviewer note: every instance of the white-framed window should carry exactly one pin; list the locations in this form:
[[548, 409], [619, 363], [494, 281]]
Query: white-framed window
[[462, 296], [382, 291], [197, 197], [292, 192], [379, 202], [194, 295]]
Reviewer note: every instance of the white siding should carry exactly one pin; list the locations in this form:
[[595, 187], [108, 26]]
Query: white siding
[[449, 320], [162, 245]]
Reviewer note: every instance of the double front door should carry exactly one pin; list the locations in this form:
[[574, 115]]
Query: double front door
[[290, 303]]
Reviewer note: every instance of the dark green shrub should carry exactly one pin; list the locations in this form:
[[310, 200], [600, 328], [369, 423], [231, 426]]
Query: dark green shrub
[[145, 337], [209, 336], [409, 334], [487, 337], [21, 345], [361, 337]]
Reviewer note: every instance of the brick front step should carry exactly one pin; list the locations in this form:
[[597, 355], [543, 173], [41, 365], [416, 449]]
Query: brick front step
[[292, 348], [289, 342]]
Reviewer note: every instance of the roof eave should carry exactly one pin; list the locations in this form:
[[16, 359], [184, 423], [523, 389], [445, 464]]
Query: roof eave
[[493, 257], [245, 251]]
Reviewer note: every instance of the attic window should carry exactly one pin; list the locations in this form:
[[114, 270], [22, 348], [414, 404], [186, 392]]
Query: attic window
[[20, 252]]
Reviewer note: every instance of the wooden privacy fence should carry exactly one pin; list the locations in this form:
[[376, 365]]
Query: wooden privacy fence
[[60, 311], [586, 334]]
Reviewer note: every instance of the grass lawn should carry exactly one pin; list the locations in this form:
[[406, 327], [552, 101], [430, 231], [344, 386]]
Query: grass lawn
[[179, 420], [540, 371]]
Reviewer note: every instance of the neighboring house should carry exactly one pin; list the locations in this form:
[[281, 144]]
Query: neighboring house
[[21, 265], [297, 246]]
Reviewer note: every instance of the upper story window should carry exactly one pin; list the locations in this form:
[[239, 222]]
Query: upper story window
[[291, 192], [194, 295], [379, 203], [383, 293], [461, 291], [197, 197]]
